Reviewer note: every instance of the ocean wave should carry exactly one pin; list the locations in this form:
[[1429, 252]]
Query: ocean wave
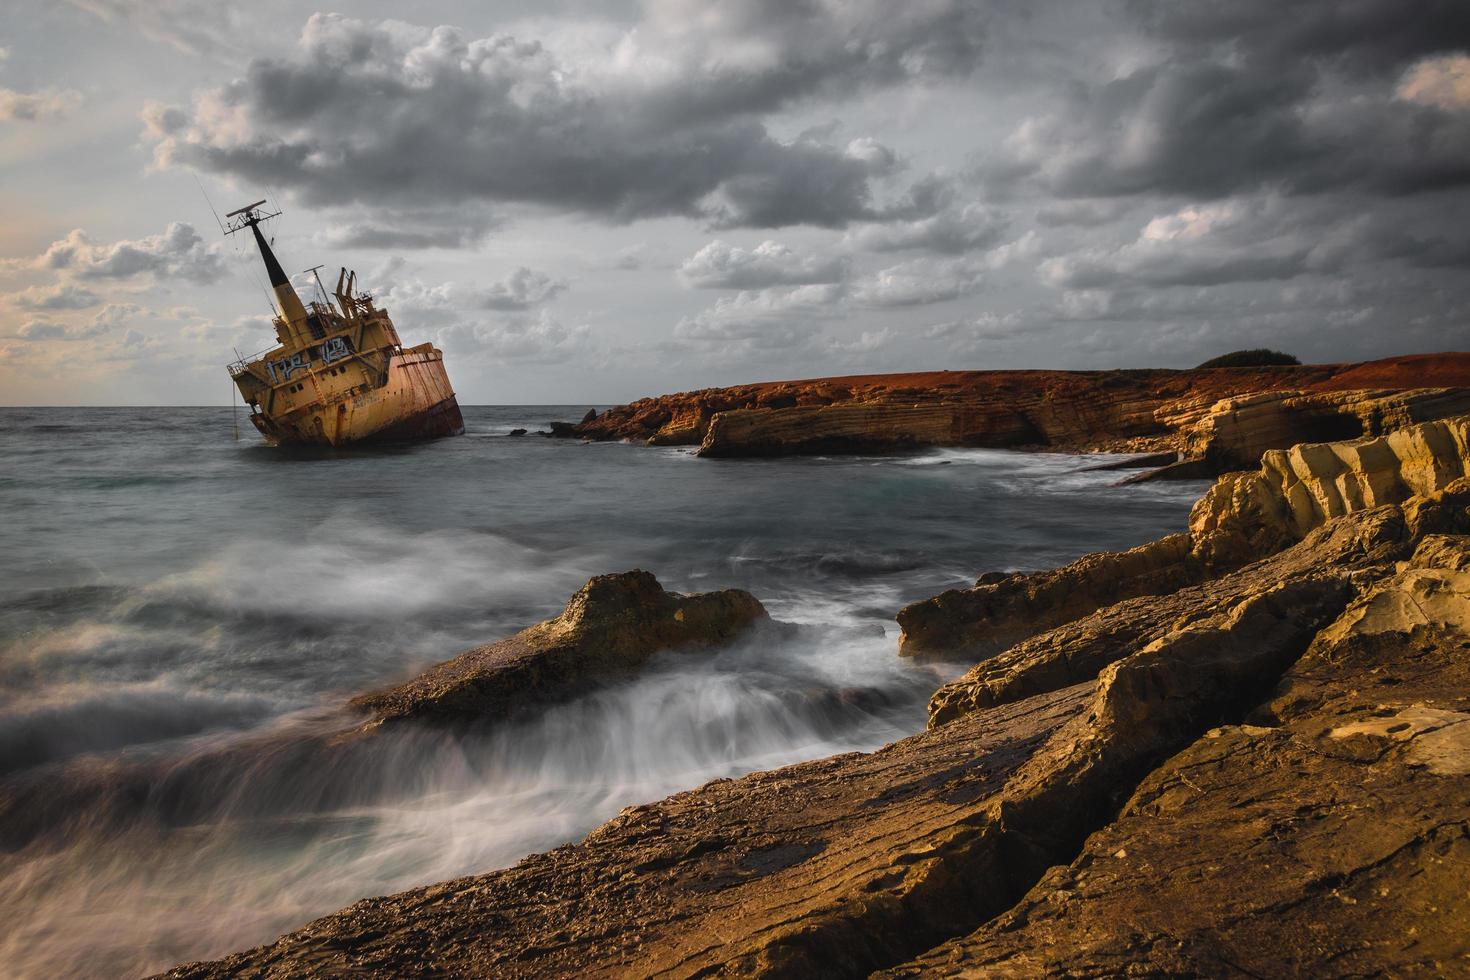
[[77, 719], [340, 568]]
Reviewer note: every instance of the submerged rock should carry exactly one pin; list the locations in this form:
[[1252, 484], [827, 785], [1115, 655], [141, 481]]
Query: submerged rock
[[608, 631], [516, 432], [611, 627]]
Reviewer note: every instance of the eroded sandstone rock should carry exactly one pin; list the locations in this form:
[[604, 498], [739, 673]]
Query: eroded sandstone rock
[[1298, 489], [1243, 517], [974, 623], [611, 627], [1237, 431], [1328, 836], [1358, 544], [1126, 411]]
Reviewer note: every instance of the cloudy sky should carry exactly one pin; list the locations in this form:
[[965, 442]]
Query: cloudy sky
[[588, 202]]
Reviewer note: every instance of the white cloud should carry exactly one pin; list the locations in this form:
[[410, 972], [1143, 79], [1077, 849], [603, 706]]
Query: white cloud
[[534, 339], [179, 252], [522, 289], [951, 231], [59, 297], [1237, 240], [719, 265], [630, 258], [774, 317], [918, 282], [449, 302], [193, 26], [48, 330]]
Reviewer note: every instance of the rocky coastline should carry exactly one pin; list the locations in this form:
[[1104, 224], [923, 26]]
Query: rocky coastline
[[1211, 420], [1242, 749]]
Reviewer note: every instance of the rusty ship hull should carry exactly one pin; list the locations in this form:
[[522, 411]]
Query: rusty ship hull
[[326, 408], [339, 374]]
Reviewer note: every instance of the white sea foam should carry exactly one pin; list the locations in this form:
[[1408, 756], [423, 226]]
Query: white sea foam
[[173, 649]]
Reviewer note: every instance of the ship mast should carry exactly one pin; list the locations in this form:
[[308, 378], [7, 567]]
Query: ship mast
[[291, 328]]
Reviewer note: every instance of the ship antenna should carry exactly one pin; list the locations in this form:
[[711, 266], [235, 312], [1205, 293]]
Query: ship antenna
[[321, 290], [209, 202], [234, 405]]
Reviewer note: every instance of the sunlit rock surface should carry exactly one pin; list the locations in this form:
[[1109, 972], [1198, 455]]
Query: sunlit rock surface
[[999, 610], [1326, 835], [1224, 417], [611, 627], [1245, 516]]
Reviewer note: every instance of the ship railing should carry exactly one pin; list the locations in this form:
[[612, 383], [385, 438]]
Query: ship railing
[[241, 366]]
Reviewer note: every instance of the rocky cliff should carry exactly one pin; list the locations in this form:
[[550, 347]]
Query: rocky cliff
[[1223, 417], [1263, 771]]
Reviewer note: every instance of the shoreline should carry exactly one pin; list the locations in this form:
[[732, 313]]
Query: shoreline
[[1206, 645], [1216, 419]]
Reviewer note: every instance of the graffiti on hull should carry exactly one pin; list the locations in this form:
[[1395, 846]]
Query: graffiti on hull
[[331, 350]]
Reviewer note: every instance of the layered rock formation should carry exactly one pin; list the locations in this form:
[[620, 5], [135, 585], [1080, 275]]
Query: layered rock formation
[[1243, 517], [1237, 431], [1265, 771], [1224, 417], [1003, 609], [1328, 835], [610, 628]]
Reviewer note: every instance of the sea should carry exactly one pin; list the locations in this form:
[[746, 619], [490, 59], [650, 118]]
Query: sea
[[182, 606]]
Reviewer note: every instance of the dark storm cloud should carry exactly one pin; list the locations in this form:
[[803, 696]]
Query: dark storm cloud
[[1373, 35], [1303, 97], [670, 125], [757, 56], [1210, 130]]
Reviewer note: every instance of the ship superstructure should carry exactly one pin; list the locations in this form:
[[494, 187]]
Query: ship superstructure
[[339, 373]]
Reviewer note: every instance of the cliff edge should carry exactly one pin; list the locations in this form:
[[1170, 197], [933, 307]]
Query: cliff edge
[[1216, 419]]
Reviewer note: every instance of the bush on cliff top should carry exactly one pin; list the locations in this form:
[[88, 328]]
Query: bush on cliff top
[[1258, 357]]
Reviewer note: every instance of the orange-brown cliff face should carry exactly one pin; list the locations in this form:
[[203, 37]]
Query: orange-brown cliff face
[[1188, 411]]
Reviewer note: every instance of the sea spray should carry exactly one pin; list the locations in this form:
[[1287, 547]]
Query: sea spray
[[183, 618]]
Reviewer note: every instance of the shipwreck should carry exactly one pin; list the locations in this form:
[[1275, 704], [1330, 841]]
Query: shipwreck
[[339, 373]]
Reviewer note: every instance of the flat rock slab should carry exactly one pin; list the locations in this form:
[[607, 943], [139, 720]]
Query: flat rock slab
[[705, 881], [1251, 854], [1329, 837]]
